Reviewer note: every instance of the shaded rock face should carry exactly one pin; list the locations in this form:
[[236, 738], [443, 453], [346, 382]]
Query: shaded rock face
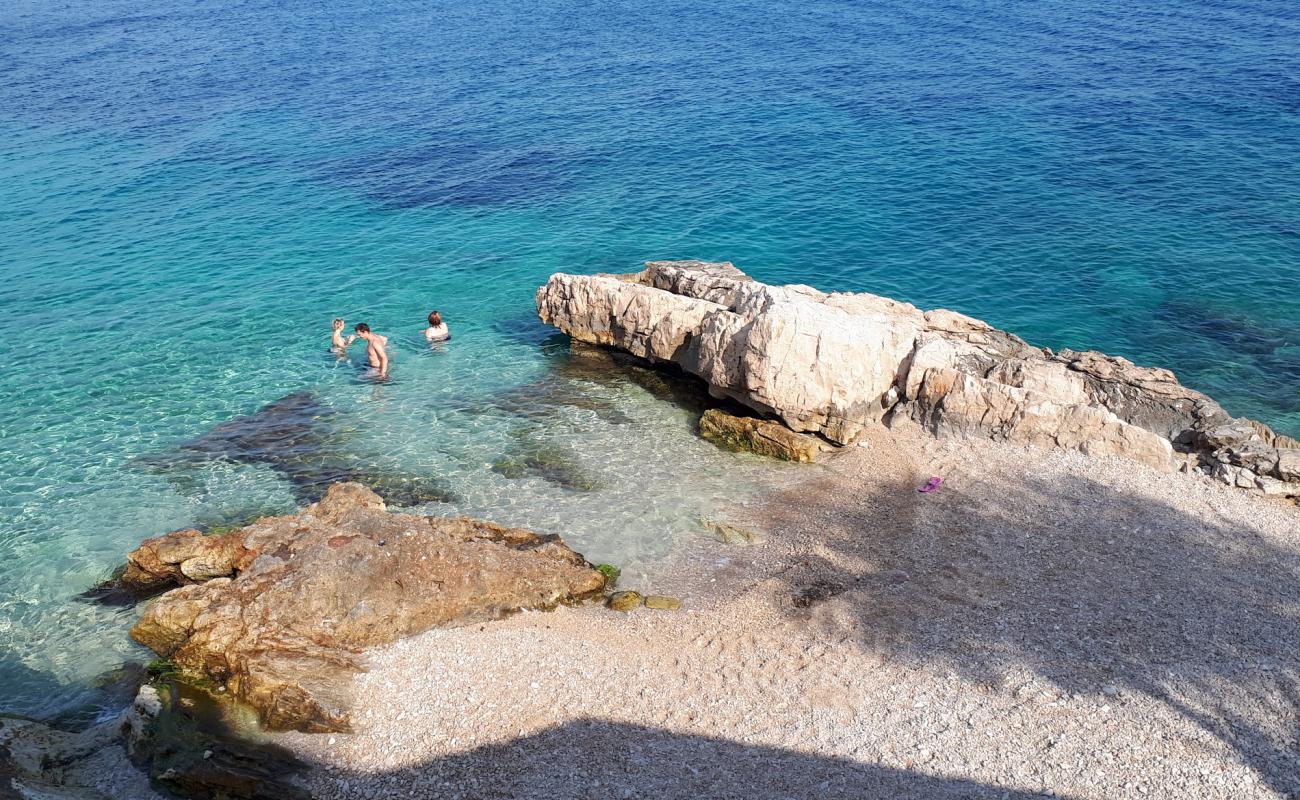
[[296, 437], [833, 364], [279, 612], [760, 436], [179, 735]]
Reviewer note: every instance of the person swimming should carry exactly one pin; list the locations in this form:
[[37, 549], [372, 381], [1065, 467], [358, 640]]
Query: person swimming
[[376, 348], [337, 343], [437, 330]]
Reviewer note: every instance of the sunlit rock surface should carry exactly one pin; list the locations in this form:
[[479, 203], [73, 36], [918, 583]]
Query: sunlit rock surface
[[279, 612], [832, 364]]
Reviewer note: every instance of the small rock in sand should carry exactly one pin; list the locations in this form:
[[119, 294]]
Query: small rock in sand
[[624, 601], [662, 602]]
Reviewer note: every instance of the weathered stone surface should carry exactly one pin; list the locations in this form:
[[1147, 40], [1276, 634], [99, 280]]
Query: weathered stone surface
[[1288, 465], [35, 761], [731, 534], [761, 436], [181, 557], [951, 402], [625, 601], [835, 363], [302, 596], [662, 602]]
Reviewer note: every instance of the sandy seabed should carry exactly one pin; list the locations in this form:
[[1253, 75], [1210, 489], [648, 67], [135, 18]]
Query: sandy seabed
[[1046, 624]]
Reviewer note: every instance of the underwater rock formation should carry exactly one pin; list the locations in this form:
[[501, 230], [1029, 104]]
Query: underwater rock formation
[[278, 613], [833, 364], [296, 437]]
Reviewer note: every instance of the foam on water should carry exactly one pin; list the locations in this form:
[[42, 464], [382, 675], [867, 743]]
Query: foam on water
[[190, 191]]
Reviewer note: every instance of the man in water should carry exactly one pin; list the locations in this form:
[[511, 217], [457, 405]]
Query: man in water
[[376, 348]]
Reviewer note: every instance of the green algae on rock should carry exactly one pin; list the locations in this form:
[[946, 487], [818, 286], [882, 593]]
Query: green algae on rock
[[662, 602], [611, 574], [759, 436], [625, 601]]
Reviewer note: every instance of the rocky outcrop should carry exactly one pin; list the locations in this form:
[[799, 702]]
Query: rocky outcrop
[[278, 613], [761, 436], [832, 364]]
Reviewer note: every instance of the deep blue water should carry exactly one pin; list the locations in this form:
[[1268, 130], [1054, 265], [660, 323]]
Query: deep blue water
[[189, 191]]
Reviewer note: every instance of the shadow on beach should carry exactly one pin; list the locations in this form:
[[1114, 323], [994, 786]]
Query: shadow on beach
[[638, 762], [1096, 591]]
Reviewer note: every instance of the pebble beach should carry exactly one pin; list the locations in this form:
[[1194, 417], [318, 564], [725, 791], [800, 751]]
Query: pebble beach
[[1044, 625]]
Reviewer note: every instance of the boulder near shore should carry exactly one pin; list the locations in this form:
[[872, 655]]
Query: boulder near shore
[[835, 364], [278, 613]]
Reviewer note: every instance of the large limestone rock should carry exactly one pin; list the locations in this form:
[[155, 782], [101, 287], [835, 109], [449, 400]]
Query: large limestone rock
[[832, 364], [278, 613]]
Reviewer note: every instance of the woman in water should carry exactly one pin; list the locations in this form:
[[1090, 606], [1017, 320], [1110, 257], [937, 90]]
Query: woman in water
[[437, 330]]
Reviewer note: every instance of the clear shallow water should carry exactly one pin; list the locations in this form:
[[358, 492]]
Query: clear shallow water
[[190, 191]]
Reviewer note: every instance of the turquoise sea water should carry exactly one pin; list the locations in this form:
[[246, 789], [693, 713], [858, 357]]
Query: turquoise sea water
[[190, 191]]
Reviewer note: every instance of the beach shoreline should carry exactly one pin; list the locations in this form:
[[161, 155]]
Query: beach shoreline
[[1045, 624]]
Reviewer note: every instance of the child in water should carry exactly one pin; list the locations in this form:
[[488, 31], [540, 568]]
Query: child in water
[[337, 342], [437, 330]]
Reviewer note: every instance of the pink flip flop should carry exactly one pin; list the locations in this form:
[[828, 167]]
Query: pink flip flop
[[931, 485]]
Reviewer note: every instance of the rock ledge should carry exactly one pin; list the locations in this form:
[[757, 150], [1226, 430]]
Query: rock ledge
[[833, 364]]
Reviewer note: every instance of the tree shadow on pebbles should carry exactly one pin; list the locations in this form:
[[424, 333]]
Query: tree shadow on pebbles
[[637, 762], [1106, 594]]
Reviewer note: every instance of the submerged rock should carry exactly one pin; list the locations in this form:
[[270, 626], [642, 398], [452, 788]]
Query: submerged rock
[[731, 534], [296, 437], [39, 762], [180, 735], [833, 364], [760, 436], [534, 458], [280, 612]]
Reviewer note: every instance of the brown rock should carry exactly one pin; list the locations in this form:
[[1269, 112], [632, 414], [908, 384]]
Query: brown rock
[[311, 592], [624, 601], [662, 602], [732, 534], [181, 557], [764, 437]]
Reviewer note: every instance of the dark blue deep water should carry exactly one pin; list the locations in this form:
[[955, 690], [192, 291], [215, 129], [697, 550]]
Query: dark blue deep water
[[190, 190]]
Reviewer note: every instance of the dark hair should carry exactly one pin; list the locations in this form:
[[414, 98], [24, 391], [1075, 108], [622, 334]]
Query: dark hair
[[435, 319], [361, 327]]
